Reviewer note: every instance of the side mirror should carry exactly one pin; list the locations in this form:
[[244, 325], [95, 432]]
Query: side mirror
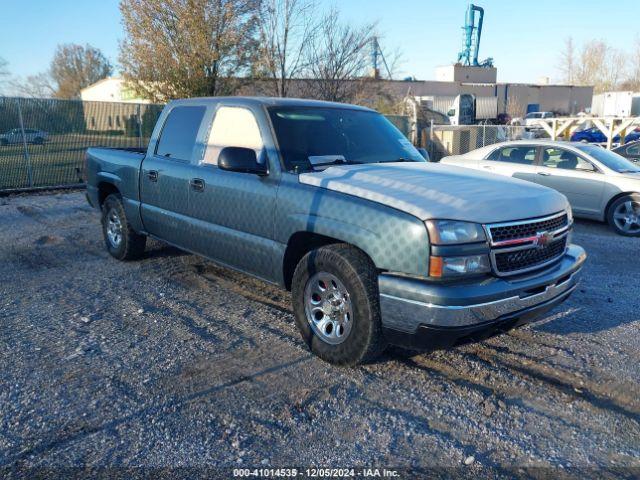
[[424, 153], [239, 159]]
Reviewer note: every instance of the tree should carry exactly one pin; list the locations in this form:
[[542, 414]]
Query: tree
[[185, 48], [75, 67], [39, 85], [287, 27], [4, 71], [633, 75], [567, 62], [336, 58], [598, 64]]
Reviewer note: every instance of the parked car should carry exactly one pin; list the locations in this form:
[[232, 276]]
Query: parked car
[[31, 135], [332, 202], [599, 184], [595, 135], [531, 118], [630, 151]]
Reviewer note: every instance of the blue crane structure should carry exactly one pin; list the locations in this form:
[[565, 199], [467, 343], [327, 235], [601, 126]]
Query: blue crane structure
[[471, 39]]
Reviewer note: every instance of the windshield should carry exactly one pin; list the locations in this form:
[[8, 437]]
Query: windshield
[[310, 136], [609, 159]]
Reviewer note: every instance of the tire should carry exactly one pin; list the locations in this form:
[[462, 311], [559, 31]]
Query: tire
[[38, 141], [362, 339], [121, 240], [4, 142], [627, 207]]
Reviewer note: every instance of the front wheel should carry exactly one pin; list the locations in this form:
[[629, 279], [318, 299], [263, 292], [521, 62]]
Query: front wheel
[[624, 215], [121, 240], [336, 305]]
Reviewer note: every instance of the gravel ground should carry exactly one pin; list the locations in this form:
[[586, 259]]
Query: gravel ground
[[172, 362]]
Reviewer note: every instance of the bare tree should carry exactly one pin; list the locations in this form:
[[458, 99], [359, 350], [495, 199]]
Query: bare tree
[[39, 86], [600, 65], [184, 48], [515, 108], [567, 61], [287, 27], [337, 59], [4, 71], [75, 67], [597, 64], [633, 75]]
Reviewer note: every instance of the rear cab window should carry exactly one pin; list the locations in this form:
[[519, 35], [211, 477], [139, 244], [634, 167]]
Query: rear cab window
[[233, 127], [178, 137]]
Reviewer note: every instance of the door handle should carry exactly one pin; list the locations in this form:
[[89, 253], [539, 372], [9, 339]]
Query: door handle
[[153, 175], [488, 167], [197, 184], [544, 174]]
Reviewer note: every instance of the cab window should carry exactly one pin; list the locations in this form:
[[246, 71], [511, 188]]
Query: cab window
[[565, 160], [178, 137], [522, 155], [232, 127]]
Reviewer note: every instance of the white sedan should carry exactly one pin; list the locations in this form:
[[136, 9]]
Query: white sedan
[[599, 184]]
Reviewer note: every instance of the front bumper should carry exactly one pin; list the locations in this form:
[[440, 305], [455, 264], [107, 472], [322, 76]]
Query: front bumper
[[418, 313]]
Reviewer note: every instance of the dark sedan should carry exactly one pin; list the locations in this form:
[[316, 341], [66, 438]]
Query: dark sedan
[[631, 151]]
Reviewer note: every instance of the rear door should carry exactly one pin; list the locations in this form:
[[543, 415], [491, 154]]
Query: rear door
[[233, 212], [516, 161], [574, 176], [165, 176]]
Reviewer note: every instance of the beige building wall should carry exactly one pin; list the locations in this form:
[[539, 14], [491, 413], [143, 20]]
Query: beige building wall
[[461, 73]]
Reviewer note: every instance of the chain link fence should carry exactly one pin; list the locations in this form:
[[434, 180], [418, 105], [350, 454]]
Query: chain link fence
[[43, 141], [444, 140]]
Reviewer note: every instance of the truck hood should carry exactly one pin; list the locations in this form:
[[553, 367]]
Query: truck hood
[[432, 190]]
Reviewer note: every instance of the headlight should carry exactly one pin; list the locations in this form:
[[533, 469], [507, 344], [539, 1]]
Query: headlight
[[569, 216], [455, 266], [448, 232]]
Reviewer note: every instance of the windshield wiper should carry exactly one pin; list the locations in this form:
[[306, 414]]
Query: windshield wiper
[[336, 162], [396, 160], [629, 171]]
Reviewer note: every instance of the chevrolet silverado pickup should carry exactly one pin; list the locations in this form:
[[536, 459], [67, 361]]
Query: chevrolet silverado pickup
[[331, 201]]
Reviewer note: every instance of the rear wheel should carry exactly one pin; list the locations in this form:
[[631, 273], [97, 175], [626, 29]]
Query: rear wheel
[[4, 142], [336, 305], [121, 240], [624, 215]]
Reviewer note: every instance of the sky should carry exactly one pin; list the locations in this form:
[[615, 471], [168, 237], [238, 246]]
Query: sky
[[523, 37]]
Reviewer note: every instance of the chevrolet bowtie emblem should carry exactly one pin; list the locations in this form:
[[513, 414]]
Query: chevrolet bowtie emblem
[[543, 239]]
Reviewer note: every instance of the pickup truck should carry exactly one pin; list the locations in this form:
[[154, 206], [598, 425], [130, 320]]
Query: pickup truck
[[330, 201]]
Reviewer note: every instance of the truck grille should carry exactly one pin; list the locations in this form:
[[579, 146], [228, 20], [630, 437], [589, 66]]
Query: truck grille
[[519, 247], [509, 262], [522, 230]]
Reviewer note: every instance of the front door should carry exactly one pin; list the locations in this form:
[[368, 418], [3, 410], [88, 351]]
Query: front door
[[165, 176], [574, 176], [233, 212]]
